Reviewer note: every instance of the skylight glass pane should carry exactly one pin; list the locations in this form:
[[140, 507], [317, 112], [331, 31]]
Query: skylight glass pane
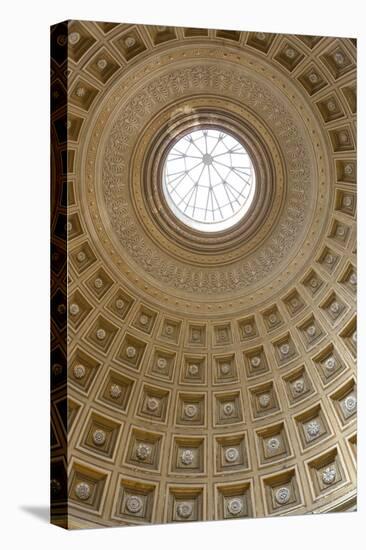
[[209, 180]]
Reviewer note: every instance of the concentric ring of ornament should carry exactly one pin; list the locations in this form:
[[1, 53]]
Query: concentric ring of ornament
[[208, 180], [186, 279]]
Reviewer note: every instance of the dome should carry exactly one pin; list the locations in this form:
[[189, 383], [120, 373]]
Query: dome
[[211, 283]]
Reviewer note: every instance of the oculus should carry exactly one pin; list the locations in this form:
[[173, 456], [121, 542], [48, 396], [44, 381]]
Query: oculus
[[208, 180]]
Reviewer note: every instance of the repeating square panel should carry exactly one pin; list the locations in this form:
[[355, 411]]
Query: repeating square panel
[[191, 409], [188, 455], [100, 436], [87, 486], [131, 351], [116, 390], [326, 472], [193, 369], [312, 426], [135, 500], [153, 403], [234, 501], [282, 492], [228, 408], [273, 444], [144, 449], [231, 452], [185, 503]]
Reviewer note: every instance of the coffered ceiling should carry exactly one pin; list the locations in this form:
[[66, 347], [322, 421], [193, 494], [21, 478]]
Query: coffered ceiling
[[210, 375]]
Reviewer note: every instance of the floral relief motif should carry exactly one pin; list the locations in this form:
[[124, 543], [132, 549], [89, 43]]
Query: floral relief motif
[[115, 173]]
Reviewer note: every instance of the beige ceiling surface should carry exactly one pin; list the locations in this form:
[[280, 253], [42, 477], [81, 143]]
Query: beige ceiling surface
[[210, 377]]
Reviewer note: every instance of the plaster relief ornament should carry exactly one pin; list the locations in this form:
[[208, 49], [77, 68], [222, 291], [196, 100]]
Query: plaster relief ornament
[[330, 363], [80, 92], [134, 504], [353, 279], [235, 506], [115, 391], [311, 331], [101, 334], [255, 361], [142, 249], [102, 64], [314, 283], [231, 454], [190, 319], [61, 40], [290, 53], [187, 457], [339, 58], [334, 307], [248, 329], [228, 409], [282, 495], [299, 385], [79, 371], [313, 428], [347, 201], [350, 403], [225, 368], [98, 283], [184, 510], [284, 349], [74, 38], [354, 337], [57, 369], [81, 256], [272, 318], [313, 77], [120, 304], [61, 308], [340, 230], [193, 369], [162, 363], [99, 437], [348, 169], [169, 330], [74, 309], [343, 138], [143, 451], [329, 475], [264, 400], [273, 443], [144, 320], [190, 410], [82, 491], [153, 404], [55, 487], [131, 352], [130, 41]]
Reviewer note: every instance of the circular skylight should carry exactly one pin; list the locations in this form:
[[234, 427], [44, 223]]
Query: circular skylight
[[208, 180]]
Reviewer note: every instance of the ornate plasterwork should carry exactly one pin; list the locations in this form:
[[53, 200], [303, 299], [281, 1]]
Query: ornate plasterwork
[[109, 184], [130, 122], [165, 385]]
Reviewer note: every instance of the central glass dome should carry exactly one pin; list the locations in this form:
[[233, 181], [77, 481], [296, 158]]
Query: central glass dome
[[208, 180]]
